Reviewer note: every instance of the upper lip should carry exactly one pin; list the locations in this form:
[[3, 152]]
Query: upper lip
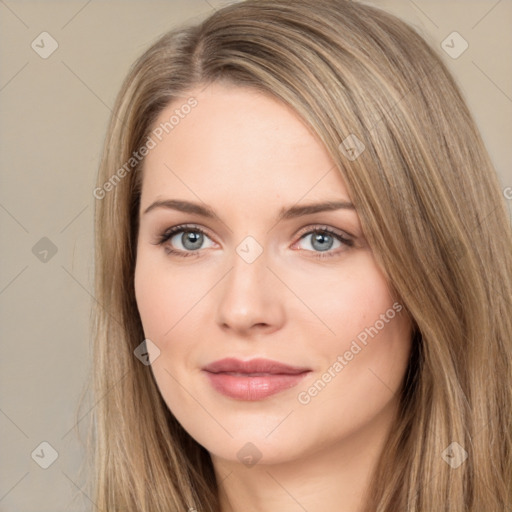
[[259, 365]]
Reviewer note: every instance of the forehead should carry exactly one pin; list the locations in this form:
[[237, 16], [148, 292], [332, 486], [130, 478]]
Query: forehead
[[238, 140]]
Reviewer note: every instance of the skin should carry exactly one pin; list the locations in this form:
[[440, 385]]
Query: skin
[[246, 156]]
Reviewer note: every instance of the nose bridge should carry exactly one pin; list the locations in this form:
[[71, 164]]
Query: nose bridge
[[247, 278], [250, 265], [248, 297]]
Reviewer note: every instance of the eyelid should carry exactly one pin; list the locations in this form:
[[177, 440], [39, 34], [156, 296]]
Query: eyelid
[[323, 227]]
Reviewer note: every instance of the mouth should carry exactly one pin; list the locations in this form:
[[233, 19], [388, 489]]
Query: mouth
[[252, 380]]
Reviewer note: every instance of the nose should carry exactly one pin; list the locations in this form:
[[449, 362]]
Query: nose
[[250, 298]]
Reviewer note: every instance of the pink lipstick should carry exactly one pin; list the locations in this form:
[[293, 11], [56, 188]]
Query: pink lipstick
[[252, 380]]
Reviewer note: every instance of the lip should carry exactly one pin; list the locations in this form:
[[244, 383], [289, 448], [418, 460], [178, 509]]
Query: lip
[[252, 380]]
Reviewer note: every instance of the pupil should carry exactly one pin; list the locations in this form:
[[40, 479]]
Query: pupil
[[193, 238]]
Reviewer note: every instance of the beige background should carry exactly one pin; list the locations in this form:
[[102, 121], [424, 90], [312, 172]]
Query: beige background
[[53, 117]]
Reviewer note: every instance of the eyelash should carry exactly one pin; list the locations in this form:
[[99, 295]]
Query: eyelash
[[169, 233]]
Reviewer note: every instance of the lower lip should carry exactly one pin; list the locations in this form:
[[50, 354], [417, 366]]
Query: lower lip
[[253, 388]]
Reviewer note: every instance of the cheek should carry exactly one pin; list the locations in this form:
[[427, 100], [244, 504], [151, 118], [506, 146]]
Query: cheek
[[368, 347], [152, 302], [349, 299], [163, 300], [163, 296]]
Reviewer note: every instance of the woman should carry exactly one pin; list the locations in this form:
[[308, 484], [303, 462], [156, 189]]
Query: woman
[[303, 274]]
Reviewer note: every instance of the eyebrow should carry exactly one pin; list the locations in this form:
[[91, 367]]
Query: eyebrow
[[284, 214]]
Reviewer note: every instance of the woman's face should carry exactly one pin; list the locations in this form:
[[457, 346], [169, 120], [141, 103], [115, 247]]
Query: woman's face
[[269, 274]]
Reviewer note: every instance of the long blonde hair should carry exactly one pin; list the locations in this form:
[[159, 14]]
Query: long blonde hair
[[431, 209]]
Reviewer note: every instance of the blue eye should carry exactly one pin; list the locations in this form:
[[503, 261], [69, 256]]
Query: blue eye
[[192, 239], [323, 239]]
